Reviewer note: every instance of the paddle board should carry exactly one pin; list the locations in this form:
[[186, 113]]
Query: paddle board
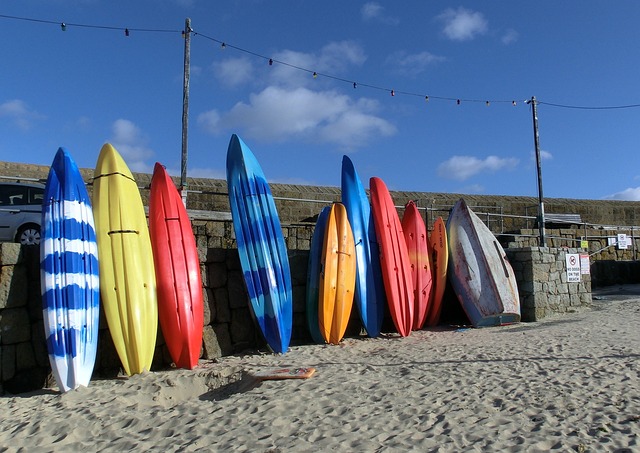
[[313, 275], [263, 254], [479, 271], [394, 257], [439, 262], [283, 373], [369, 295], [69, 275], [127, 277], [415, 235], [337, 276], [177, 267]]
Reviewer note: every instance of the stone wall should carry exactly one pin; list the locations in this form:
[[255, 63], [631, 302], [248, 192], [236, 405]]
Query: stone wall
[[228, 323], [298, 204], [541, 273]]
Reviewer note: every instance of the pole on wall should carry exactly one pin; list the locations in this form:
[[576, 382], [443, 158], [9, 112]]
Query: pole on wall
[[185, 109], [536, 141]]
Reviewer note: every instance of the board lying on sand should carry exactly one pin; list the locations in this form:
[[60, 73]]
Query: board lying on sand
[[369, 295], [415, 235], [283, 373], [180, 298], [69, 275], [263, 254], [480, 274], [313, 276], [337, 276], [127, 276], [394, 257], [439, 263]]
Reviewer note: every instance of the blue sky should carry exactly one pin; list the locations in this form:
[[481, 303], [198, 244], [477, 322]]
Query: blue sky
[[91, 84]]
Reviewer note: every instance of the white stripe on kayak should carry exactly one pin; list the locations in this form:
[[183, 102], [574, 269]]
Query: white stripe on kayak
[[84, 281], [70, 245], [74, 319]]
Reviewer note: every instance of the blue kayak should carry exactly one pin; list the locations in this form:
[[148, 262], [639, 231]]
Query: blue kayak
[[69, 275], [261, 246], [369, 294]]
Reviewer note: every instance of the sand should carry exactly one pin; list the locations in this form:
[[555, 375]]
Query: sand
[[567, 383]]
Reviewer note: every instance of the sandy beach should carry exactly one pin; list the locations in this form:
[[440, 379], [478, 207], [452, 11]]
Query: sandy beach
[[567, 383]]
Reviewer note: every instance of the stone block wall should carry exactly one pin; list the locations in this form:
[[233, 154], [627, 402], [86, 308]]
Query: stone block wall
[[228, 323], [541, 273]]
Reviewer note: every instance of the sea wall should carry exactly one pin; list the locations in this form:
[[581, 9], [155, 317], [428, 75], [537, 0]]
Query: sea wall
[[544, 283]]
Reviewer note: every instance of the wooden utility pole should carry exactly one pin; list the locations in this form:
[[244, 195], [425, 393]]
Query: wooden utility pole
[[185, 109], [536, 141]]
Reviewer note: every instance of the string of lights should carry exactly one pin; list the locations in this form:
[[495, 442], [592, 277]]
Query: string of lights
[[315, 74]]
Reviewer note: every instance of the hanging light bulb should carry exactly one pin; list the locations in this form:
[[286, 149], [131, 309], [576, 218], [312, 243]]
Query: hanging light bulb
[[270, 61], [223, 46], [355, 85], [393, 93], [63, 26], [488, 103], [426, 99], [458, 101], [513, 103], [315, 75], [126, 32]]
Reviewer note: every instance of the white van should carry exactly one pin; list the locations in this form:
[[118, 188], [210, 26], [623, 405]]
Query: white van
[[20, 212]]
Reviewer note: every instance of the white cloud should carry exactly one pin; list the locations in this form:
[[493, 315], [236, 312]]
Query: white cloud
[[629, 194], [463, 24], [277, 114], [412, 64], [233, 72], [131, 143], [334, 58], [292, 105], [373, 11], [19, 113], [463, 167], [510, 36], [544, 155]]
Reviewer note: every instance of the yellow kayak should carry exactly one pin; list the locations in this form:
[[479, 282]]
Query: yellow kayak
[[338, 276], [127, 276]]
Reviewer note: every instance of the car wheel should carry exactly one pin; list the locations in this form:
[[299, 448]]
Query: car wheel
[[28, 235]]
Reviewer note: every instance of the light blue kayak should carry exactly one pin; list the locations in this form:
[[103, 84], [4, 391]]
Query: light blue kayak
[[69, 275], [261, 246], [369, 294], [313, 275]]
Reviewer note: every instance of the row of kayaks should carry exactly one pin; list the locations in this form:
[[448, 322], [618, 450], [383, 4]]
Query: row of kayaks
[[363, 254], [105, 251]]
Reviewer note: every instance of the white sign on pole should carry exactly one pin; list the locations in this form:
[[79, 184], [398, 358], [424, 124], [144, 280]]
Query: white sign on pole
[[573, 267], [585, 264], [622, 241]]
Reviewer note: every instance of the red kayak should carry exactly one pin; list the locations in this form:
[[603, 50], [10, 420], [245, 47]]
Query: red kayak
[[415, 235], [180, 299], [394, 257]]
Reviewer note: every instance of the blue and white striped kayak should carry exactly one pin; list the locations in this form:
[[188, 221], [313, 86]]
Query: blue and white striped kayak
[[369, 297], [263, 254], [69, 275]]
